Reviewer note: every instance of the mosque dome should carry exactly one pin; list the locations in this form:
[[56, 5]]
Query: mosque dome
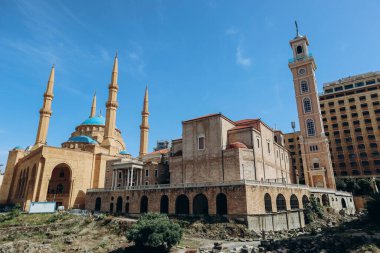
[[123, 152], [18, 148], [83, 139], [97, 120]]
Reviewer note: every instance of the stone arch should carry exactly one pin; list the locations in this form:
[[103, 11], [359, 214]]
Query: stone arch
[[182, 204], [119, 204], [98, 203], [127, 207], [299, 49], [305, 201], [344, 205], [60, 180], [221, 204], [325, 200], [268, 203], [200, 205], [164, 204], [111, 207], [144, 204], [281, 203], [294, 204], [32, 182]]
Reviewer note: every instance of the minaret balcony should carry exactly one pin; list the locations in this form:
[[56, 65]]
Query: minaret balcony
[[300, 58]]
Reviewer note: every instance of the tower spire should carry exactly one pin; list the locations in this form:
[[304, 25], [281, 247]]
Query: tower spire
[[144, 127], [297, 32], [45, 112], [93, 107], [111, 105]]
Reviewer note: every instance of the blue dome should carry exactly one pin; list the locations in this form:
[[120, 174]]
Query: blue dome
[[123, 152], [18, 147], [82, 138], [97, 120]]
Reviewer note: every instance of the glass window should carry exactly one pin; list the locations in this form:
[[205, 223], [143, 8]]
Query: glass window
[[201, 143], [307, 105], [304, 86], [310, 127]]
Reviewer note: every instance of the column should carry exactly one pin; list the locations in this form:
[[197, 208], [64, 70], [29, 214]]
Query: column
[[131, 176], [141, 176], [127, 177], [113, 179]]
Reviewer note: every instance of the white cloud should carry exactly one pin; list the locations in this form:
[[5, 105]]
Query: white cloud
[[231, 31], [241, 59]]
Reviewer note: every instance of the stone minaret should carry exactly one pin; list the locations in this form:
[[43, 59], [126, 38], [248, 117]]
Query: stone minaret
[[93, 107], [111, 105], [316, 158], [45, 112], [144, 127]]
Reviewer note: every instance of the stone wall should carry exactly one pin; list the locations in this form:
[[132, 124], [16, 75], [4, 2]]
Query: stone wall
[[276, 221]]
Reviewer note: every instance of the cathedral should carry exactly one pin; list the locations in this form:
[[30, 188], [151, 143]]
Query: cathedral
[[63, 174]]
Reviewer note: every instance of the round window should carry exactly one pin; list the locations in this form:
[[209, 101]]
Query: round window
[[301, 71]]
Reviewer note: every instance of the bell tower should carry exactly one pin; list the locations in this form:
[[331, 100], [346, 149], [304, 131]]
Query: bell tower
[[314, 144]]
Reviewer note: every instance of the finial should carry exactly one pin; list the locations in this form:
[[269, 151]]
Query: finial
[[53, 65], [116, 54], [297, 33], [100, 113]]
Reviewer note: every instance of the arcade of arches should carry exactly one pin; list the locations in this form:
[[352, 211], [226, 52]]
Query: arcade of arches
[[59, 187]]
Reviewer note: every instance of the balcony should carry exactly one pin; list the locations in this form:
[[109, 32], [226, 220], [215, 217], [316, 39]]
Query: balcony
[[300, 58]]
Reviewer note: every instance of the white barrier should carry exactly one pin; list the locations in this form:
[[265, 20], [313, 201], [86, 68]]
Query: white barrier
[[42, 207]]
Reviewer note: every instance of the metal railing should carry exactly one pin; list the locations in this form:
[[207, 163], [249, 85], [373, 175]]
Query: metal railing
[[300, 58]]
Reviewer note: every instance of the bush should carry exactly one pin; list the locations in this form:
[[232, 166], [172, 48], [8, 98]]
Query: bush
[[373, 208], [313, 208], [155, 230]]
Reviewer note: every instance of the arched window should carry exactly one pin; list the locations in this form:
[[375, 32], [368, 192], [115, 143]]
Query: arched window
[[200, 205], [315, 162], [182, 204], [281, 203], [144, 204], [294, 204], [164, 205], [268, 203], [306, 105], [310, 127], [98, 204], [111, 207], [299, 49], [344, 203], [221, 204], [119, 205], [304, 86]]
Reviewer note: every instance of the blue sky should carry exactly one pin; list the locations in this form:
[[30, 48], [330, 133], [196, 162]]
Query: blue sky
[[198, 57]]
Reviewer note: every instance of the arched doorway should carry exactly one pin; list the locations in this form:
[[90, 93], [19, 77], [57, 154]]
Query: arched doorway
[[59, 187], [119, 204], [280, 203], [98, 204], [127, 207], [294, 204], [344, 205], [200, 205], [221, 204], [325, 200], [305, 201], [144, 204], [164, 204], [268, 203], [111, 207], [182, 204]]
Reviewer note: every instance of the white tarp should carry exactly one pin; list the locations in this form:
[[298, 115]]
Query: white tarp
[[42, 207]]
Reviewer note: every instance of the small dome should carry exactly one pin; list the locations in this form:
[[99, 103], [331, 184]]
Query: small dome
[[83, 139], [18, 148], [237, 145], [123, 152], [97, 120]]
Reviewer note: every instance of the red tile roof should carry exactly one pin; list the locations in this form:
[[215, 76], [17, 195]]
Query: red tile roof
[[161, 151]]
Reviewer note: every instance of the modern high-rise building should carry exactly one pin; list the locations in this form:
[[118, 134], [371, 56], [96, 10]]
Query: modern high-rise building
[[350, 109]]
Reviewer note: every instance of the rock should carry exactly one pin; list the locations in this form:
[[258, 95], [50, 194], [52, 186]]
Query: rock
[[261, 249], [68, 240]]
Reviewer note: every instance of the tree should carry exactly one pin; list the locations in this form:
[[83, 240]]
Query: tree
[[365, 187], [373, 208], [155, 230], [340, 184], [351, 185]]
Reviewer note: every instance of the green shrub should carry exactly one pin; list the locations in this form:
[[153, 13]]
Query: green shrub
[[312, 209], [155, 230], [373, 208]]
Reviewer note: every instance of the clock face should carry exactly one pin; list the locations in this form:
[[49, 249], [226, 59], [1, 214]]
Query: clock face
[[301, 71]]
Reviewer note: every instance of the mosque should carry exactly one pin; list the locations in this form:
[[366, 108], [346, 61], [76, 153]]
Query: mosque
[[219, 166], [63, 174]]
